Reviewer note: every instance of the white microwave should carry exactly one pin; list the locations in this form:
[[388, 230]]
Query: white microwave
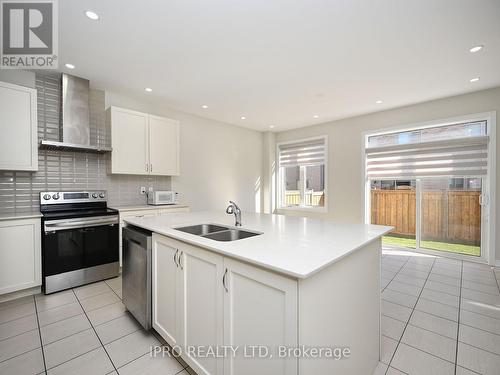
[[162, 197]]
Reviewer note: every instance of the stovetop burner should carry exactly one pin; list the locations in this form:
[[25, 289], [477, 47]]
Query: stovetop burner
[[74, 204]]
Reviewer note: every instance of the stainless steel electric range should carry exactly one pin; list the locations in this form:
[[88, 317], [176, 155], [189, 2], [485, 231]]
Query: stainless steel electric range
[[80, 239]]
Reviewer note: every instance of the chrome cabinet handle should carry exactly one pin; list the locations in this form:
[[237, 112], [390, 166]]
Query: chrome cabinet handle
[[151, 167], [175, 258], [180, 260], [224, 278], [147, 167]]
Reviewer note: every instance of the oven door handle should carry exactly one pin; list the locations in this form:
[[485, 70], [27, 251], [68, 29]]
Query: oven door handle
[[68, 224]]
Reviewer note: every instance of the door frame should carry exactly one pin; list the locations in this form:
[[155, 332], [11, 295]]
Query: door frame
[[488, 217]]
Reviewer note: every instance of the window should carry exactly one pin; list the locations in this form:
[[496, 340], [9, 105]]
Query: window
[[448, 150], [436, 133], [302, 177]]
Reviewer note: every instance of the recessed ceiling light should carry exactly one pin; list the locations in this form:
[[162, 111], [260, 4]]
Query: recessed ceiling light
[[147, 89], [204, 106], [476, 49], [271, 126], [69, 66], [378, 102], [92, 15], [243, 117], [475, 79], [315, 116]]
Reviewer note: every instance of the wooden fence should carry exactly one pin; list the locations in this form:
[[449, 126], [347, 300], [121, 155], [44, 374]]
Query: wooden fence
[[312, 198], [447, 216]]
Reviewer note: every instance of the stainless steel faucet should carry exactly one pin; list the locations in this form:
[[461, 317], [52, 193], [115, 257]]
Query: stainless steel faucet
[[234, 209]]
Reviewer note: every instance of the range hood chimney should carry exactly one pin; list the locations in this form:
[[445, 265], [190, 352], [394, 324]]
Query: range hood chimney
[[74, 132]]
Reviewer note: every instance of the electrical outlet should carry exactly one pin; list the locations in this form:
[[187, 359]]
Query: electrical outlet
[[143, 190], [150, 189]]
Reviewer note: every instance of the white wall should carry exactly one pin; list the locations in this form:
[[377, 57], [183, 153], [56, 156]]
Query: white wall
[[219, 162], [345, 180]]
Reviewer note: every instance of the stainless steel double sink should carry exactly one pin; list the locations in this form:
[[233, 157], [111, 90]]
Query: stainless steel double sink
[[217, 232]]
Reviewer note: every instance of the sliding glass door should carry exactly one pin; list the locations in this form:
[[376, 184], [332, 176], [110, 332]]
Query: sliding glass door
[[437, 214], [432, 185], [450, 215]]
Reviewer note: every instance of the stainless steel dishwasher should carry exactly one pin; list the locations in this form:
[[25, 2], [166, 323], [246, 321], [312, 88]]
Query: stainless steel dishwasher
[[136, 273]]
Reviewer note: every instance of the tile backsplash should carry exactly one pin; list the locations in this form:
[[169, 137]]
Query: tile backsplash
[[64, 170]]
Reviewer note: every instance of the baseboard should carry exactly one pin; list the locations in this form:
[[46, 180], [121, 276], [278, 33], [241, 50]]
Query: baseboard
[[20, 293]]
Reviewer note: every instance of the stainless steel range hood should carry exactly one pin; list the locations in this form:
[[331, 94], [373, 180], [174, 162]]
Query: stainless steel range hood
[[74, 131]]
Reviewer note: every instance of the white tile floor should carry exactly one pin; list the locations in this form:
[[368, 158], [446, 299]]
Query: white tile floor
[[439, 316], [85, 331]]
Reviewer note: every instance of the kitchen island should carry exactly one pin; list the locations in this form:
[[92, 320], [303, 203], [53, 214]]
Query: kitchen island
[[302, 296]]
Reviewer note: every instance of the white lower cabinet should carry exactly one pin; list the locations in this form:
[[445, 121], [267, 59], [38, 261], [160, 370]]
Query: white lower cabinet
[[203, 300], [260, 308], [166, 292], [20, 255]]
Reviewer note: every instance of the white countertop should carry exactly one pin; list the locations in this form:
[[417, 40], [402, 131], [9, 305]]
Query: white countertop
[[20, 215], [140, 207], [295, 246]]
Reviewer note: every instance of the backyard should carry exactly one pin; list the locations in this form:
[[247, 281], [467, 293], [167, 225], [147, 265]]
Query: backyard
[[450, 218], [433, 245]]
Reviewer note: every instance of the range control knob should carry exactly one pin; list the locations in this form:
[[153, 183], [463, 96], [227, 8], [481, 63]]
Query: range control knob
[[55, 196], [94, 195], [101, 195], [46, 197]]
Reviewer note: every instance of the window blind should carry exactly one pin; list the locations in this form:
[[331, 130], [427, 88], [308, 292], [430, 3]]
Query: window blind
[[453, 157], [305, 153]]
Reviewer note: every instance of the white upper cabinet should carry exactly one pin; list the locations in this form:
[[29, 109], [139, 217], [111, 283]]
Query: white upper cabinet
[[164, 146], [129, 140], [143, 144], [18, 127]]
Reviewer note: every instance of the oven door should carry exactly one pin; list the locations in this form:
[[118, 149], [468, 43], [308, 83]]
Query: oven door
[[74, 244]]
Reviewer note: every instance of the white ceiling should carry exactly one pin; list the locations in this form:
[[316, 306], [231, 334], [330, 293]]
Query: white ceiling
[[281, 62]]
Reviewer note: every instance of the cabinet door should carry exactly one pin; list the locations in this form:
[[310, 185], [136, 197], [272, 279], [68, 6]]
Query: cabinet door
[[20, 255], [18, 126], [165, 294], [202, 302], [164, 143], [260, 308], [129, 140]]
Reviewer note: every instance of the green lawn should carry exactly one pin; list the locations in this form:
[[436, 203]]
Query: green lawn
[[433, 245]]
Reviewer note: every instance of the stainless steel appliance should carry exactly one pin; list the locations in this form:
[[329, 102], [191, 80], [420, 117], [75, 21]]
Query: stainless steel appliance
[[136, 273], [80, 239], [162, 197], [74, 130]]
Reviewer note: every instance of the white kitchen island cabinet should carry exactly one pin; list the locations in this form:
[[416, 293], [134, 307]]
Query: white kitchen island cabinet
[[260, 308], [301, 284], [166, 291]]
